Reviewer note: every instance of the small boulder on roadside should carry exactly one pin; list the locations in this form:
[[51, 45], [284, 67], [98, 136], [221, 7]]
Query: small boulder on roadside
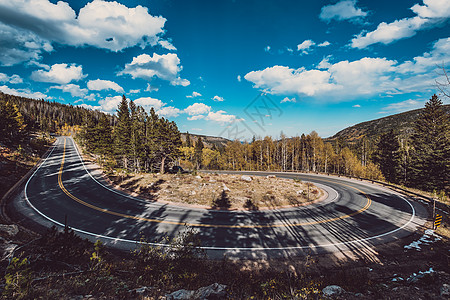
[[10, 230], [210, 292], [332, 291], [271, 176], [180, 295], [445, 290], [246, 178]]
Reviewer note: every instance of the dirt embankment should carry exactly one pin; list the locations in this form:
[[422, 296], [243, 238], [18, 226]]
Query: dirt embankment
[[220, 190]]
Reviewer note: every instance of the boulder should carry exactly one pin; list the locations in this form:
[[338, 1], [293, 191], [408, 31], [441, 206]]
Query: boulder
[[332, 290], [180, 295], [213, 291], [225, 188], [445, 290], [271, 176], [246, 178], [10, 230]]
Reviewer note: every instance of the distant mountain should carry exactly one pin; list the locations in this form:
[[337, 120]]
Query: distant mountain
[[402, 122], [208, 141]]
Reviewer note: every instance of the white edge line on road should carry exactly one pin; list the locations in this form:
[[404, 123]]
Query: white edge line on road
[[213, 248]]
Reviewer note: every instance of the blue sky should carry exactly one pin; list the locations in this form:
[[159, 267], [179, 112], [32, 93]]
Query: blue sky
[[230, 68]]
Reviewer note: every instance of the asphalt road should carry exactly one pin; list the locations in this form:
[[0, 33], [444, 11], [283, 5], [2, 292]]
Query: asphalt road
[[355, 216]]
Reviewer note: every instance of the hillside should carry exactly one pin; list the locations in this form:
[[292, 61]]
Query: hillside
[[402, 122], [208, 141]]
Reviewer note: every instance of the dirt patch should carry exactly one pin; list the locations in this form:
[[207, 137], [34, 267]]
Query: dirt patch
[[221, 191]]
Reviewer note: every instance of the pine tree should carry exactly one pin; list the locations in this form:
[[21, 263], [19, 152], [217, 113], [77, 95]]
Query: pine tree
[[431, 148], [188, 140], [104, 137], [122, 133], [11, 122], [387, 156], [169, 142], [198, 151]]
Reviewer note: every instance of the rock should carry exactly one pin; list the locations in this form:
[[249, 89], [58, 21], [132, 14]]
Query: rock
[[7, 249], [141, 290], [11, 230], [299, 192], [445, 290], [198, 177], [192, 193], [246, 178], [271, 176], [180, 295], [332, 290], [225, 188], [213, 291], [212, 180]]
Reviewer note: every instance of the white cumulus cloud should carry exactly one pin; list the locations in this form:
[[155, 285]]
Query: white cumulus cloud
[[350, 79], [197, 109], [168, 111], [287, 99], [220, 116], [59, 73], [99, 85], [305, 45], [431, 14], [218, 98], [103, 24], [166, 67], [74, 89], [148, 102], [22, 93], [194, 95], [14, 79], [343, 10]]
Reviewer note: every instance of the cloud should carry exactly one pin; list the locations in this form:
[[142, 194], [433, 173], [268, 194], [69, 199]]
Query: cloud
[[218, 98], [137, 91], [267, 48], [166, 67], [110, 104], [73, 89], [59, 73], [220, 116], [403, 106], [168, 111], [194, 95], [239, 78], [343, 10], [148, 102], [305, 45], [356, 105], [99, 85], [198, 117], [151, 88], [431, 14], [14, 79], [19, 45], [92, 107], [167, 45], [324, 44], [197, 109], [347, 80], [102, 24], [22, 93], [286, 99]]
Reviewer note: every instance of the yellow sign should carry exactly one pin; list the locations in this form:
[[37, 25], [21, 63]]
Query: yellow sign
[[437, 220]]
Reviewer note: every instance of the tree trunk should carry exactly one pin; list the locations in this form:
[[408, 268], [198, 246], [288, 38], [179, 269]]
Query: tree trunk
[[163, 160]]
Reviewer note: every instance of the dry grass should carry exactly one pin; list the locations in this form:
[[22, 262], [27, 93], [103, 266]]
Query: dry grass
[[220, 190]]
